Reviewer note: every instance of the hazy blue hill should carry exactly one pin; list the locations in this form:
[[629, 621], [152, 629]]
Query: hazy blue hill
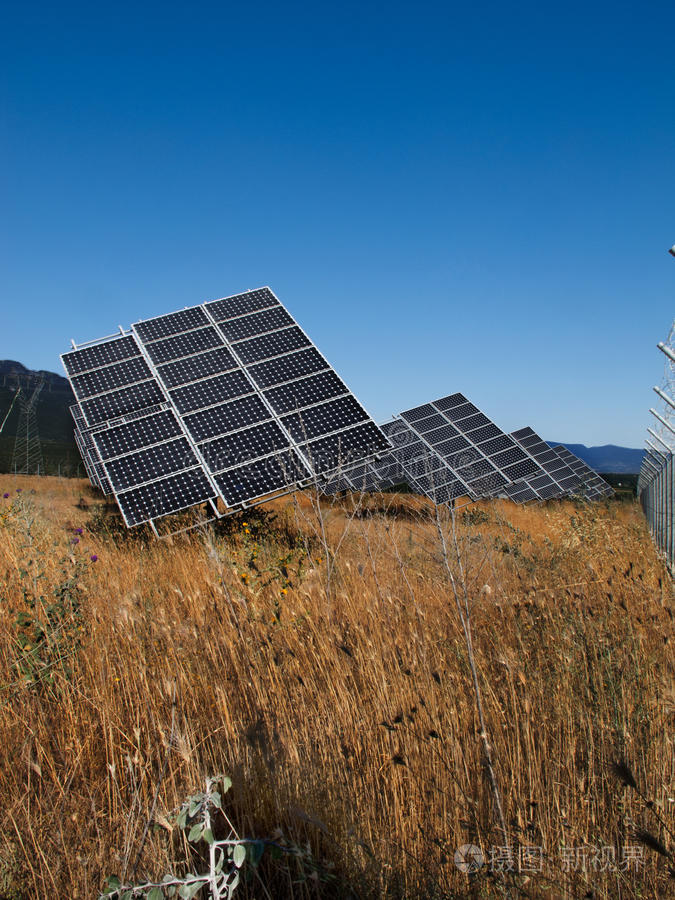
[[608, 458]]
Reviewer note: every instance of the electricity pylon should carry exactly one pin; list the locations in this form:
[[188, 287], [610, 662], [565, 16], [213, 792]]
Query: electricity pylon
[[27, 457]]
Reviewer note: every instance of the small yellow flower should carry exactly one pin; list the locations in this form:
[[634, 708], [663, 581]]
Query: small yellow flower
[[284, 590]]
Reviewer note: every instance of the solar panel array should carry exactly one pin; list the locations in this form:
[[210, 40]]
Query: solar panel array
[[229, 401], [449, 449], [592, 486], [490, 461], [548, 459]]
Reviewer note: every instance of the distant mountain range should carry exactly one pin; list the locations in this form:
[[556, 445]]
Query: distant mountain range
[[608, 458], [55, 424], [60, 453]]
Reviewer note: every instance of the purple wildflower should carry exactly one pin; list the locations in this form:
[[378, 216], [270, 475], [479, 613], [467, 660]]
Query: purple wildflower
[[5, 495], [78, 531], [75, 541], [18, 490], [93, 557]]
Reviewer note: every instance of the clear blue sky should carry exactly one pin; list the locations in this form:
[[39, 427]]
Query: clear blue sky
[[449, 197]]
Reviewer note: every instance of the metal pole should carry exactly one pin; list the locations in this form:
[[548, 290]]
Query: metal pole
[[664, 348], [664, 396], [660, 439], [662, 420], [659, 453]]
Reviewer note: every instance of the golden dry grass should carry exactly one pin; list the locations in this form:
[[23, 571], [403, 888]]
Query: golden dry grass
[[317, 658]]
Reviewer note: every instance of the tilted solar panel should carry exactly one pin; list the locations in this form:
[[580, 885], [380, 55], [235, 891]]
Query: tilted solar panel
[[228, 400], [485, 458], [593, 487], [548, 459]]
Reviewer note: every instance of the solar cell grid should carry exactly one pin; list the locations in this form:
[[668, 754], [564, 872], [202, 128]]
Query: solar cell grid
[[425, 465], [520, 492], [186, 344], [211, 391], [486, 433], [99, 355], [241, 304], [489, 485], [471, 423], [496, 444], [227, 417], [449, 448], [325, 418], [287, 368], [511, 455], [444, 433], [276, 343], [194, 368], [150, 464], [522, 469], [265, 476], [463, 411], [256, 324], [131, 436], [420, 412], [295, 395], [168, 495], [331, 452], [111, 377], [447, 403], [429, 423], [121, 402], [232, 450], [474, 468], [173, 323]]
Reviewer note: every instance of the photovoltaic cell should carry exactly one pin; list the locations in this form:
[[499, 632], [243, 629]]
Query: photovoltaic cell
[[257, 323], [305, 391], [287, 368], [130, 436], [99, 355], [592, 485], [165, 496], [110, 378], [211, 391], [193, 368], [262, 477], [275, 343], [174, 323], [324, 418], [230, 416], [241, 304], [121, 402], [186, 344], [150, 464], [548, 459], [266, 439]]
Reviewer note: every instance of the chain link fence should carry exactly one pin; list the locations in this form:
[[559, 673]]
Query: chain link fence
[[656, 483]]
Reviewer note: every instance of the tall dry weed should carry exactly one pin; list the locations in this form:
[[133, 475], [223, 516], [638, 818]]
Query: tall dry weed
[[313, 651]]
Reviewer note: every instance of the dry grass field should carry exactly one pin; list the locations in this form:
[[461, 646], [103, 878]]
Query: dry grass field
[[315, 652]]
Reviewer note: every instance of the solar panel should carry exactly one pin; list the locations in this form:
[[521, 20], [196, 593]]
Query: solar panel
[[485, 458], [592, 485], [88, 452], [547, 458], [227, 400]]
